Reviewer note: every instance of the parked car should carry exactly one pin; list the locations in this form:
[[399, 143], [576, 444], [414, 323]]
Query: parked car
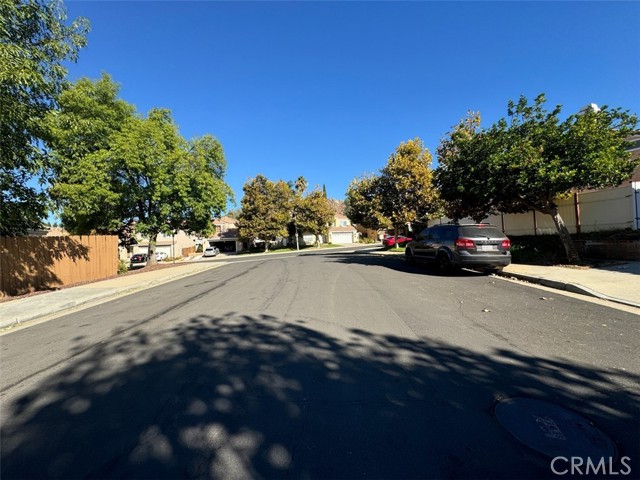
[[390, 241], [479, 246], [161, 256], [138, 259], [211, 252]]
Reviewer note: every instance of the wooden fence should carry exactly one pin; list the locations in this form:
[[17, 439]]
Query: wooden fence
[[30, 264]]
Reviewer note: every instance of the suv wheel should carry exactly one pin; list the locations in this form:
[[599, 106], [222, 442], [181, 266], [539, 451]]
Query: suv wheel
[[408, 255], [444, 264]]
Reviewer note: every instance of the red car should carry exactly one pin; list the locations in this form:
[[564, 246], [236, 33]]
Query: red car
[[389, 240]]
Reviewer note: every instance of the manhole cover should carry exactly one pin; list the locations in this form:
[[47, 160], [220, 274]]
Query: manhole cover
[[553, 430]]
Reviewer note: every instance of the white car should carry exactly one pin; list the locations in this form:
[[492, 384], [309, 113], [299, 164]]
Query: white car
[[161, 256], [211, 252]]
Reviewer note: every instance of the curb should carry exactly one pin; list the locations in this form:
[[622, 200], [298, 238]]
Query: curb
[[98, 297], [568, 287], [69, 305]]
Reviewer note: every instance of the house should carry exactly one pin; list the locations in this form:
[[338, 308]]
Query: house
[[180, 244], [226, 235], [342, 231]]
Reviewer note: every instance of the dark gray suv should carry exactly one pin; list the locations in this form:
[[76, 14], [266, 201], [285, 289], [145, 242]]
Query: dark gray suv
[[480, 246]]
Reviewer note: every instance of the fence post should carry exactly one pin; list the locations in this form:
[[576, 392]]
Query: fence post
[[635, 187], [576, 204]]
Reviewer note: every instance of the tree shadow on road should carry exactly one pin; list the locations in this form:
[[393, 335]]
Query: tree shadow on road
[[243, 396], [397, 263]]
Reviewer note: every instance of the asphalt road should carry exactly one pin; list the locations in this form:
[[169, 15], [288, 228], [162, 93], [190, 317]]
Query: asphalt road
[[332, 365]]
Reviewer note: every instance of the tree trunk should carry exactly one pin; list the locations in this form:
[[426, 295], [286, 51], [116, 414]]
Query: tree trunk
[[317, 242], [565, 236], [151, 252]]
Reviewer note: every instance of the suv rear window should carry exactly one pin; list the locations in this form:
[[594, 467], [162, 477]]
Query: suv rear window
[[475, 231]]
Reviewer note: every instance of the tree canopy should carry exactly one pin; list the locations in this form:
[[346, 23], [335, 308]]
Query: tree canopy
[[362, 203], [272, 210], [35, 41], [266, 210], [316, 214], [531, 158], [116, 170], [401, 194], [405, 188], [81, 132]]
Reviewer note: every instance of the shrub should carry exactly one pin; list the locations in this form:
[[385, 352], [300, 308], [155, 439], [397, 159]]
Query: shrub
[[123, 266], [537, 250]]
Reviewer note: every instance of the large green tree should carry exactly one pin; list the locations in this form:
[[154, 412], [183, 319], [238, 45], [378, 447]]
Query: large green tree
[[466, 199], [532, 158], [199, 190], [266, 210], [316, 214], [405, 188], [35, 41], [164, 183], [362, 203], [118, 172], [81, 133]]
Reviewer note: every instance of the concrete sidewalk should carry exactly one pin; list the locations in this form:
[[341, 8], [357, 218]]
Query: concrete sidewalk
[[46, 304], [618, 283]]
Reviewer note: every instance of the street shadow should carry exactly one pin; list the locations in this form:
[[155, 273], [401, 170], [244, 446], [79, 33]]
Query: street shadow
[[397, 263], [30, 264], [240, 396], [626, 267]]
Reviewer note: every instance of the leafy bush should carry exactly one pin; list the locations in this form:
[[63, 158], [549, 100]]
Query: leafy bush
[[537, 250], [123, 267]]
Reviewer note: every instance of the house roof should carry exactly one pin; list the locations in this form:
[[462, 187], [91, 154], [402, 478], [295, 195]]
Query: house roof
[[338, 205], [229, 235], [350, 228], [225, 220]]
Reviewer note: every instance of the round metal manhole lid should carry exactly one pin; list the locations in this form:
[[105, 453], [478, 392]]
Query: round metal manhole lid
[[553, 430]]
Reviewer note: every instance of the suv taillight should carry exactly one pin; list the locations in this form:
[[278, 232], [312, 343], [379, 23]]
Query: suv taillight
[[506, 244], [465, 243]]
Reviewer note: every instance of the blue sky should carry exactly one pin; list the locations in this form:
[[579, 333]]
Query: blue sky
[[327, 90]]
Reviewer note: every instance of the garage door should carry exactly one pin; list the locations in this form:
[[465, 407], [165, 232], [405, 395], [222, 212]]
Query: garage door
[[341, 237]]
